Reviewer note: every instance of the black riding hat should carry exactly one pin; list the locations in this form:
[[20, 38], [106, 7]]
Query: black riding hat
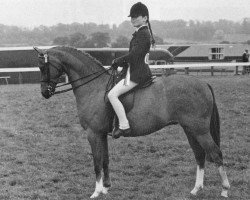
[[139, 9]]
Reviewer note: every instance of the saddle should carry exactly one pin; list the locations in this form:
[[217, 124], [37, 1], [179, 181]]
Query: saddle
[[127, 99]]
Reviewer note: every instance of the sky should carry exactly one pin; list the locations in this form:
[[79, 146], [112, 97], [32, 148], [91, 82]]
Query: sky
[[33, 13]]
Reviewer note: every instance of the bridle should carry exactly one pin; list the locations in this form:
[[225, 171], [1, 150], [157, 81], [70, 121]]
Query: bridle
[[52, 85]]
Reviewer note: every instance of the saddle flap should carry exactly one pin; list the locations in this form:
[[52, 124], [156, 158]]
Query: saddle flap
[[127, 100]]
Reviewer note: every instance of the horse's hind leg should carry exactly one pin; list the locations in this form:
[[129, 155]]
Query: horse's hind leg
[[199, 154], [214, 154], [225, 182], [106, 178]]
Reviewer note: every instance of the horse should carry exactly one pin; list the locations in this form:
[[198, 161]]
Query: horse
[[181, 99]]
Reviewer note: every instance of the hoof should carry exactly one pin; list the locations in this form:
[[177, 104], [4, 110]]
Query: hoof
[[225, 189], [224, 193], [99, 189], [105, 190], [121, 132], [196, 190], [97, 193]]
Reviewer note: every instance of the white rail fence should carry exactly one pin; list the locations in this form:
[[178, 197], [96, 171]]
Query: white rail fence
[[186, 66]]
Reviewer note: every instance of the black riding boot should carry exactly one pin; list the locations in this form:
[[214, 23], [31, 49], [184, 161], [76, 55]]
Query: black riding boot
[[120, 132]]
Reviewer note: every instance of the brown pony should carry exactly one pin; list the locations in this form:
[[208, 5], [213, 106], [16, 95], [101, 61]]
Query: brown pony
[[180, 99]]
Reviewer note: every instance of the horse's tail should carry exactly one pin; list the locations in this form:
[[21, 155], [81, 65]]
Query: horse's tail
[[215, 121]]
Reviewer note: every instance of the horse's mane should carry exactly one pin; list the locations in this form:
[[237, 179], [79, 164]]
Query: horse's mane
[[77, 53]]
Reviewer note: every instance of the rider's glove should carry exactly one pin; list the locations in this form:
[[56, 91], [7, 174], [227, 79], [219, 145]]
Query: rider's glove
[[114, 66]]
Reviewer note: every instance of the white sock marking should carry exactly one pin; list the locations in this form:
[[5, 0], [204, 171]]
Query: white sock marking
[[99, 188], [225, 182], [199, 180]]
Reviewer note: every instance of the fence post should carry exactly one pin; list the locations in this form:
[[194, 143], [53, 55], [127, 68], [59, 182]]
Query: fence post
[[212, 70], [236, 70], [20, 77], [187, 70]]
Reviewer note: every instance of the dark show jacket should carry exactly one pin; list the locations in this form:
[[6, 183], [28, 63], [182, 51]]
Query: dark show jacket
[[138, 48]]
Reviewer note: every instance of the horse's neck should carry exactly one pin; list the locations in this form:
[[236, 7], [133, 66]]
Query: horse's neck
[[77, 70]]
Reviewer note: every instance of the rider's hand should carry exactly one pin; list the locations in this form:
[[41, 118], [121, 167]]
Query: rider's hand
[[114, 65], [119, 61]]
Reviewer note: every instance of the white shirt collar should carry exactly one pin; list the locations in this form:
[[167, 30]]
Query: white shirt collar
[[137, 29]]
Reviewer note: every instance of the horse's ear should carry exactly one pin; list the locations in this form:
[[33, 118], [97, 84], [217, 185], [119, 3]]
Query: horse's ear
[[39, 51]]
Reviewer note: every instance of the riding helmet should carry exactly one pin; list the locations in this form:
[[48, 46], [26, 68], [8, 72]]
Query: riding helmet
[[139, 9]]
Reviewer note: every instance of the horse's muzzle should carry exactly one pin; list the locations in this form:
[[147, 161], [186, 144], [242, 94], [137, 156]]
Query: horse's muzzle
[[48, 92]]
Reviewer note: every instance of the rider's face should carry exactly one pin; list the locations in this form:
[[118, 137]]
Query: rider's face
[[138, 21]]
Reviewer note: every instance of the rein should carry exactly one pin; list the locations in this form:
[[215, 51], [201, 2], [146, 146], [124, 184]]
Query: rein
[[66, 90], [51, 88], [49, 81]]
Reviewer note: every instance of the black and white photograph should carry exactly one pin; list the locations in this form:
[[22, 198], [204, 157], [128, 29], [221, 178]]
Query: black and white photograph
[[124, 99]]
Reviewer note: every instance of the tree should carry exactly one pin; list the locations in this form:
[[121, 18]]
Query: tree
[[94, 35], [225, 42], [77, 39], [158, 40], [61, 41], [219, 34], [246, 26], [88, 44], [100, 39], [121, 41], [125, 29]]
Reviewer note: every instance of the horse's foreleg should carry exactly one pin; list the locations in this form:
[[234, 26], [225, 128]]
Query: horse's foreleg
[[97, 146], [106, 179]]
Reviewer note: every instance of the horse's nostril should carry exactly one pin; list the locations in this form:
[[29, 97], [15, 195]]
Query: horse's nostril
[[46, 95]]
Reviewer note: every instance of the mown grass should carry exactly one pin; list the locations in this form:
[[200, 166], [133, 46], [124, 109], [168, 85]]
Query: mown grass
[[45, 153]]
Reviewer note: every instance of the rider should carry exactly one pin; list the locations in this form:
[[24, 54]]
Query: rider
[[138, 71]]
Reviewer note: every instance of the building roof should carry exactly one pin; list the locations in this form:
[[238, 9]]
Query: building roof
[[203, 50]]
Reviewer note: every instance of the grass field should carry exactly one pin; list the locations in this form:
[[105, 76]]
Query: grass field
[[44, 154]]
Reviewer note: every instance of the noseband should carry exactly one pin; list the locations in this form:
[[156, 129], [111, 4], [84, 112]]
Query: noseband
[[52, 85]]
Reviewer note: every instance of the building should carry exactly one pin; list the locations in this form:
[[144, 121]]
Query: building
[[207, 52]]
